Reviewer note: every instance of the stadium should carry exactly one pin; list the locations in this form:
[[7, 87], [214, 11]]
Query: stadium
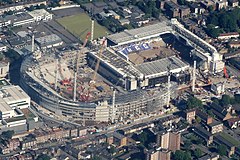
[[136, 75]]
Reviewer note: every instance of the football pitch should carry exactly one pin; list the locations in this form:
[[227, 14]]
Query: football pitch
[[80, 25]]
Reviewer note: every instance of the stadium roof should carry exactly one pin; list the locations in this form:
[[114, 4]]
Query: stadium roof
[[119, 64], [160, 67], [134, 35]]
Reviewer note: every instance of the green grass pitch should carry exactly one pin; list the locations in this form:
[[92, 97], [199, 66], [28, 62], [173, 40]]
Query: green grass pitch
[[80, 25]]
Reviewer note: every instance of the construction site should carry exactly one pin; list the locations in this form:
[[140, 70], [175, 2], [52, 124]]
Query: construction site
[[117, 82]]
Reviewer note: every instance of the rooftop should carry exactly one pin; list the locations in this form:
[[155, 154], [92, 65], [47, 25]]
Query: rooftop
[[12, 93], [215, 123], [13, 119], [16, 18], [135, 34], [4, 107], [161, 67], [119, 64], [3, 64], [48, 39], [39, 12]]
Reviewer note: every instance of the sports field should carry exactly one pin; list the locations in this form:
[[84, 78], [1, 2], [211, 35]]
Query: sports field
[[80, 25]]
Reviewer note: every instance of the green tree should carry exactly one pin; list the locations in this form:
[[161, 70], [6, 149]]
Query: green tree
[[213, 31], [198, 119], [187, 144], [234, 157], [237, 98], [43, 157], [112, 149], [96, 158], [143, 137], [42, 6], [223, 20], [210, 9], [194, 102], [31, 8], [7, 134], [156, 13], [213, 20], [133, 2], [12, 55], [222, 150], [232, 25], [226, 100], [181, 2], [181, 155], [197, 152]]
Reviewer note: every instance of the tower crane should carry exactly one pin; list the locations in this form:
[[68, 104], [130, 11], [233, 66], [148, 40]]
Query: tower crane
[[92, 82], [98, 61], [76, 69]]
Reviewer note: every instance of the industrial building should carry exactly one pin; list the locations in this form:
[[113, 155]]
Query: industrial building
[[23, 18], [14, 109], [49, 41]]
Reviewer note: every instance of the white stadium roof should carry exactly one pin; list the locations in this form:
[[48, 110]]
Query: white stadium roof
[[140, 33], [160, 67]]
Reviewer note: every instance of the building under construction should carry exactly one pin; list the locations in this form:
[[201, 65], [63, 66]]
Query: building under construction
[[114, 83]]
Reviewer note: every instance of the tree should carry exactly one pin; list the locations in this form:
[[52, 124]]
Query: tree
[[187, 144], [42, 6], [181, 2], [12, 55], [237, 98], [7, 134], [197, 152], [198, 119], [193, 102], [96, 158], [156, 13], [210, 113], [181, 155], [112, 150], [226, 100], [210, 9], [234, 157], [213, 31], [143, 137], [223, 20], [133, 2], [31, 8], [43, 157], [222, 150], [213, 20]]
